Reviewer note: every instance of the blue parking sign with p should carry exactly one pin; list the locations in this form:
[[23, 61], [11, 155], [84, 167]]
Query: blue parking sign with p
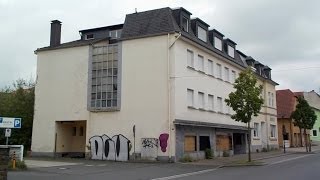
[[17, 123]]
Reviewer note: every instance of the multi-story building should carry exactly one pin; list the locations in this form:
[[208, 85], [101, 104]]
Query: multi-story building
[[152, 87], [313, 99]]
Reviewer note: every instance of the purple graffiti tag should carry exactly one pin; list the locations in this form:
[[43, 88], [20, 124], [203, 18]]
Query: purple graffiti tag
[[164, 141]]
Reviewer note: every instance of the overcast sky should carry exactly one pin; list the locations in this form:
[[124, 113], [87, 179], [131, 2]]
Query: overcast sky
[[281, 34]]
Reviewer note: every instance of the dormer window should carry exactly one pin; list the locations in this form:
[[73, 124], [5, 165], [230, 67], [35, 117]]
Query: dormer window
[[185, 24], [230, 51], [217, 43], [202, 34], [114, 34], [89, 36]]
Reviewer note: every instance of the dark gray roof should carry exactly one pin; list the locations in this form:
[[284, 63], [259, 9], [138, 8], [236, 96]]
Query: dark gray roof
[[208, 124], [71, 44], [148, 23]]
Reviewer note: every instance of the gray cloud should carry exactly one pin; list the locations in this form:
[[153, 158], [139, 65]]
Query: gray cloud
[[281, 34]]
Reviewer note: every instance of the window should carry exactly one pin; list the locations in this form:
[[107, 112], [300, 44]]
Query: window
[[204, 143], [227, 108], [190, 98], [190, 143], [231, 51], [190, 58], [233, 76], [210, 67], [104, 90], [273, 131], [202, 34], [217, 43], [272, 100], [314, 132], [74, 131], [201, 63], [219, 71], [210, 102], [185, 24], [114, 34], [256, 130], [89, 36], [219, 99], [201, 100], [81, 131], [226, 74], [269, 99]]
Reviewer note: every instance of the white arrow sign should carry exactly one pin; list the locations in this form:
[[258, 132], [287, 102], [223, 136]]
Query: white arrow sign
[[6, 122]]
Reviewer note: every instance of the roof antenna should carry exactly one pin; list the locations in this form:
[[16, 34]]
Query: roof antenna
[[135, 9]]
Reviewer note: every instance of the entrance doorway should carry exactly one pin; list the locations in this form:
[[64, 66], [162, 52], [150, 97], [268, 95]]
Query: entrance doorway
[[70, 139], [239, 143]]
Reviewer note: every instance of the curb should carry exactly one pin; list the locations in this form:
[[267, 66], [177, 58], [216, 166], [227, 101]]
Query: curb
[[242, 165]]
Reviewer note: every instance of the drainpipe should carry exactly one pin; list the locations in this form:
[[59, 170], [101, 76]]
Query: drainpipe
[[169, 91]]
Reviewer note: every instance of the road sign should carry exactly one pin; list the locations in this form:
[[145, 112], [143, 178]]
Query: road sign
[[7, 122], [7, 133]]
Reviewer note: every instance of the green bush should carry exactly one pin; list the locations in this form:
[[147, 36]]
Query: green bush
[[186, 158], [225, 154], [208, 153], [20, 165]]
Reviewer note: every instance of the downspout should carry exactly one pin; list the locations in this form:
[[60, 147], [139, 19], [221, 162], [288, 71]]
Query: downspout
[[169, 91]]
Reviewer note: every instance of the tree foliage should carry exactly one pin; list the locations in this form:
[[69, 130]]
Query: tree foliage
[[18, 101], [245, 101], [304, 116]]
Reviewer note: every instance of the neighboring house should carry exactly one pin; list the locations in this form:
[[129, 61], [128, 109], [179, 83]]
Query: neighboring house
[[152, 87], [286, 104], [313, 99]]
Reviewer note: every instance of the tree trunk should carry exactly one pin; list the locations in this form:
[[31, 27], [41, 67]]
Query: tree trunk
[[305, 139], [301, 144], [249, 143]]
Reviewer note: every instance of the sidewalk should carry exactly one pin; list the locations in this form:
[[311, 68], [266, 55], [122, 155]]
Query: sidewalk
[[226, 161]]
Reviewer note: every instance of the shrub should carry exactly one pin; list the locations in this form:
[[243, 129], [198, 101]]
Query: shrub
[[186, 158], [208, 153]]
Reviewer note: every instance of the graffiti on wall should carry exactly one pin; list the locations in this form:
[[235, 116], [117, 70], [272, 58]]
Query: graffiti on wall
[[106, 148], [164, 141], [149, 148]]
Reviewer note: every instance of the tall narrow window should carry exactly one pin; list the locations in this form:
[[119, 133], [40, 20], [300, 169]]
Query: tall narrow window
[[226, 74], [231, 51], [273, 131], [190, 58], [210, 67], [74, 131], [219, 101], [202, 34], [272, 100], [201, 63], [219, 71], [256, 130], [185, 24], [190, 95], [269, 99], [201, 100], [210, 102], [233, 76], [217, 43]]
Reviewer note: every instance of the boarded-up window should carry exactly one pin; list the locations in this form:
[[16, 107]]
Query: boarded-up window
[[223, 142], [190, 143]]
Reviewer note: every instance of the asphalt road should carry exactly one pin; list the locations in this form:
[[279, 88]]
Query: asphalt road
[[292, 167]]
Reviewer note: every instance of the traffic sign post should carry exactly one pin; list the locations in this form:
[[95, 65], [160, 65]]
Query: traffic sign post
[[8, 123]]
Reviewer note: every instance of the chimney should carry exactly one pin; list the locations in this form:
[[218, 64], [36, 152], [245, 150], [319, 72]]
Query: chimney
[[55, 35]]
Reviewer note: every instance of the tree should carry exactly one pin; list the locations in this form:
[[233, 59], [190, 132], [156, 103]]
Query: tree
[[18, 101], [245, 101], [304, 117]]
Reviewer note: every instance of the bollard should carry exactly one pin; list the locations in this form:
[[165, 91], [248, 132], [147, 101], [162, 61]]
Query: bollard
[[14, 160]]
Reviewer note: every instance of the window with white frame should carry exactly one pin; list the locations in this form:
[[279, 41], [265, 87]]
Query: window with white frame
[[185, 24], [272, 131], [269, 99], [219, 101], [256, 130], [201, 100], [233, 76], [219, 71], [202, 34], [190, 94], [231, 51], [226, 74], [314, 132], [228, 109], [210, 102], [272, 100], [114, 34], [217, 43], [190, 58], [201, 63], [210, 67]]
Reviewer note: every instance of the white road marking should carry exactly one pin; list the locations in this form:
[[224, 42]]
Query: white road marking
[[184, 175], [88, 165], [102, 165], [278, 162]]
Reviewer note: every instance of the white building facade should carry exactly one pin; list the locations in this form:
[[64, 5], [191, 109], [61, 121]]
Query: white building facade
[[153, 87]]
